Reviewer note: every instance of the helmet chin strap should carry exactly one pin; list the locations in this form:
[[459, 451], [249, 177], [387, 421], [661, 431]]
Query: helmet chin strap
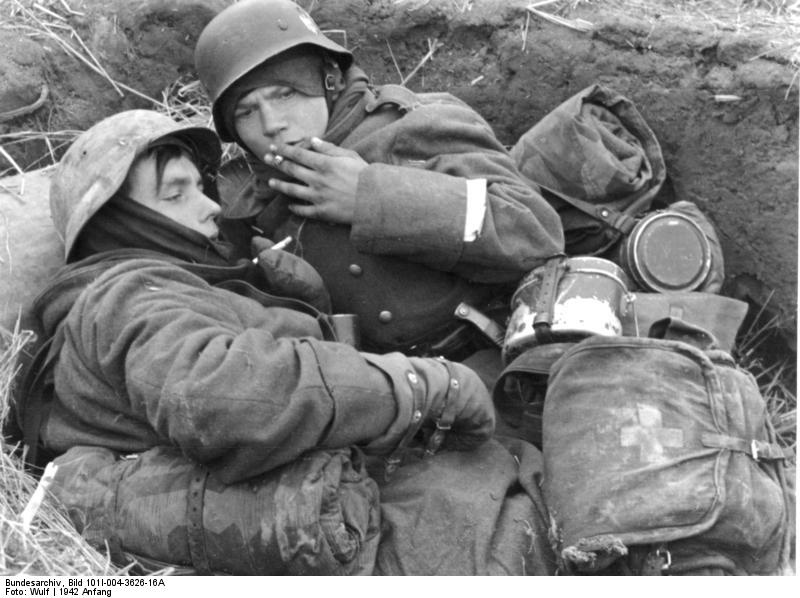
[[333, 80]]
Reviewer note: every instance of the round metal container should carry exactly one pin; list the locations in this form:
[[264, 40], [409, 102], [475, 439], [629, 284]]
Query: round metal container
[[591, 298], [666, 252]]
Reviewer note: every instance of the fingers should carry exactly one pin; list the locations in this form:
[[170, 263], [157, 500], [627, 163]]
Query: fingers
[[289, 166], [281, 154], [259, 244], [305, 210], [313, 155], [296, 190]]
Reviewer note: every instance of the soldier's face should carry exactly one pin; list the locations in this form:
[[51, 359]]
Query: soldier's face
[[279, 114], [180, 195]]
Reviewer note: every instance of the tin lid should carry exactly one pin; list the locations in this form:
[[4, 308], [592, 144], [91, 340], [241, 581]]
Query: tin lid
[[668, 252]]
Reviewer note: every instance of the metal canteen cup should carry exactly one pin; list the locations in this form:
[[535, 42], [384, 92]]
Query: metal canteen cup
[[566, 300], [345, 326]]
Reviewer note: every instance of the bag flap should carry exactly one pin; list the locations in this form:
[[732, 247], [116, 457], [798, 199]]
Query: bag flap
[[611, 417]]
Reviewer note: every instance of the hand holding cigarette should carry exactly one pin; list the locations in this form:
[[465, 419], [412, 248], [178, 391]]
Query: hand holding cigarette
[[259, 242]]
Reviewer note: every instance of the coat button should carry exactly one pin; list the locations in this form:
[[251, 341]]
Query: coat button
[[385, 316], [355, 269]]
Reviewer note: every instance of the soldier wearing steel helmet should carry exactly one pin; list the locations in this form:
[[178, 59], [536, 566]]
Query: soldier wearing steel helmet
[[151, 351], [406, 204], [160, 348]]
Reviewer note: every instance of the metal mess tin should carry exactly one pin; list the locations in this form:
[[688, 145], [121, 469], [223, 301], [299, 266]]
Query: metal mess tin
[[666, 252], [590, 297]]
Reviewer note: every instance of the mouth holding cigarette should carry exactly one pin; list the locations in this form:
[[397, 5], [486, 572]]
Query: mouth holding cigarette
[[279, 245]]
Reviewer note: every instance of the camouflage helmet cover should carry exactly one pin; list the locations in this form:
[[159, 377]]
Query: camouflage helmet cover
[[96, 164], [247, 33]]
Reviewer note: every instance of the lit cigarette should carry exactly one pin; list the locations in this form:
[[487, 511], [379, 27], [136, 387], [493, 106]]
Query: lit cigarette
[[279, 245], [283, 243]]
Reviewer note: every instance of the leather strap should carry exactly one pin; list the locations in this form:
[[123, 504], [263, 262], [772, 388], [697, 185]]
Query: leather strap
[[447, 415], [491, 329], [622, 222], [36, 394], [400, 96], [393, 460], [757, 449], [194, 519], [544, 307]]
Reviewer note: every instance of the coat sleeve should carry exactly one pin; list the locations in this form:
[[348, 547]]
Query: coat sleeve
[[238, 387], [444, 162]]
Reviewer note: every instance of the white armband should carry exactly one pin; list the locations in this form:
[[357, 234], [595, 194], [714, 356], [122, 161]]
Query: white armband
[[476, 209]]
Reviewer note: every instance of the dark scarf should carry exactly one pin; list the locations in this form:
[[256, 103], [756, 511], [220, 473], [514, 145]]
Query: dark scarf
[[124, 230], [125, 224]]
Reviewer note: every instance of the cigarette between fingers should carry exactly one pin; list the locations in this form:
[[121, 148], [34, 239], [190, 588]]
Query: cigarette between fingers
[[279, 245], [282, 243]]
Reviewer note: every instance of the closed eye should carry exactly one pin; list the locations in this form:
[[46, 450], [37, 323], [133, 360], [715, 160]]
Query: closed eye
[[243, 111]]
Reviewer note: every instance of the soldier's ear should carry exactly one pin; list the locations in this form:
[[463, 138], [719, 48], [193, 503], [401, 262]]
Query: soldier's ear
[[334, 78]]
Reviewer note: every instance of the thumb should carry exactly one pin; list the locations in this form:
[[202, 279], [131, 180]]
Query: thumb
[[259, 244]]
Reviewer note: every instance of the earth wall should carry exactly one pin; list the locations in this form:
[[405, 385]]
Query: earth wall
[[722, 103]]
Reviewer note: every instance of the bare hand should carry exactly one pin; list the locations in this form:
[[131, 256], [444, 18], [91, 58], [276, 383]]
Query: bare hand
[[330, 174]]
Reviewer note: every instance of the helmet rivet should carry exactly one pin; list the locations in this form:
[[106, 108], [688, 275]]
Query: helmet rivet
[[282, 25]]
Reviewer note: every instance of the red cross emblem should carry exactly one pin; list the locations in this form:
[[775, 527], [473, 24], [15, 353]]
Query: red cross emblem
[[650, 435]]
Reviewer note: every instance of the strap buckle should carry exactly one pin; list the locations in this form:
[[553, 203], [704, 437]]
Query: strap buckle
[[446, 418], [666, 556], [754, 449], [391, 463]]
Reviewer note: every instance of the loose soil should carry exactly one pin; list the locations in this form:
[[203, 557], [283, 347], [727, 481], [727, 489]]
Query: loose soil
[[723, 104]]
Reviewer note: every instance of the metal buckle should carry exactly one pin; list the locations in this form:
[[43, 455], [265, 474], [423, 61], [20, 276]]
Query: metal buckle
[[754, 449], [664, 554], [390, 466], [329, 82]]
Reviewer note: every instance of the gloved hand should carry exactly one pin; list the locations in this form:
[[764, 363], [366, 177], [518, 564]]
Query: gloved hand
[[290, 276], [458, 407]]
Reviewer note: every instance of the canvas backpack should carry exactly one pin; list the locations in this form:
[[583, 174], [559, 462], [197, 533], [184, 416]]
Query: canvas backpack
[[660, 459]]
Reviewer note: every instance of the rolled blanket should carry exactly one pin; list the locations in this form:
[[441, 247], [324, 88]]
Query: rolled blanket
[[316, 516]]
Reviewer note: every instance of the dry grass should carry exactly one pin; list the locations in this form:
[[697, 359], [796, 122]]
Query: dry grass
[[41, 541], [775, 375], [185, 101], [46, 22], [36, 536]]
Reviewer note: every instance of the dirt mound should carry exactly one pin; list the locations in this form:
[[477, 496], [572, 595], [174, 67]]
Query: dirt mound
[[722, 103]]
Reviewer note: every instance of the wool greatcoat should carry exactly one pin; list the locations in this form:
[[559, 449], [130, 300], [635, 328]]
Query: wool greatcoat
[[405, 263], [151, 354]]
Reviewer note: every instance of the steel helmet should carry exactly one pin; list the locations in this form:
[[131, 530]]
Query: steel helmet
[[247, 33], [96, 164]]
